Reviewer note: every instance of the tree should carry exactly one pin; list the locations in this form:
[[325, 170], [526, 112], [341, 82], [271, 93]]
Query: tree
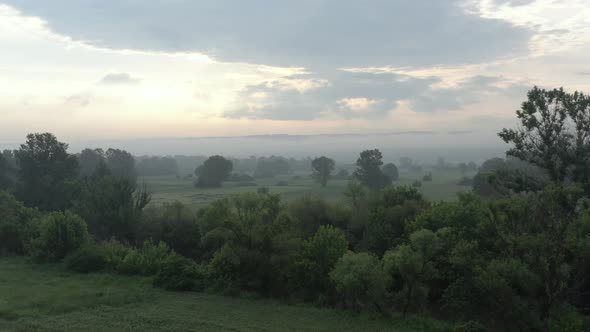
[[111, 205], [46, 172], [214, 170], [58, 234], [554, 134], [360, 280], [368, 170], [121, 164], [322, 169], [89, 160], [7, 170], [16, 224], [317, 257], [391, 171]]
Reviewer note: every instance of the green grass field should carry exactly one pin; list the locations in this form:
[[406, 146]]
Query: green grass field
[[169, 189], [46, 298]]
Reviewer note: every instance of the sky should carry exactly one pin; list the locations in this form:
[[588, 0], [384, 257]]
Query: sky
[[127, 70]]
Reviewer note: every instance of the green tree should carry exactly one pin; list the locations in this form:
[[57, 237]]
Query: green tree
[[322, 169], [554, 134], [89, 160], [46, 172], [121, 164], [360, 280], [410, 267], [7, 171], [317, 257], [214, 170], [391, 171], [368, 170], [111, 205], [16, 224], [57, 235]]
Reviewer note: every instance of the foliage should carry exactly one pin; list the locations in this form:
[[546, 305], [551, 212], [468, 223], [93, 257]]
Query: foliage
[[180, 274], [271, 167], [90, 160], [175, 224], [121, 164], [368, 170], [427, 177], [391, 171], [322, 169], [17, 223], [89, 258], [145, 260], [214, 170], [360, 280], [8, 171], [112, 205], [316, 258], [46, 172], [56, 235], [156, 166]]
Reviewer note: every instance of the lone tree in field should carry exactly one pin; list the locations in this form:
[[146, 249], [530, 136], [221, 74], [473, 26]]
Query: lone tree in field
[[368, 170], [391, 171], [322, 169], [214, 170], [554, 134]]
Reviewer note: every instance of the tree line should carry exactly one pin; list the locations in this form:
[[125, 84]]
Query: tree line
[[517, 260]]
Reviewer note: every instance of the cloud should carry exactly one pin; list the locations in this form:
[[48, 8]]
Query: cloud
[[309, 33], [119, 78]]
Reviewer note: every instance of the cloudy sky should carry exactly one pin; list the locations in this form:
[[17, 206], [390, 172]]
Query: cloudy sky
[[128, 69]]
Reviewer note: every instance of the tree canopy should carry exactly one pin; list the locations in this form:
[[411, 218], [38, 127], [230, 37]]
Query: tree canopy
[[368, 170], [322, 169], [214, 170]]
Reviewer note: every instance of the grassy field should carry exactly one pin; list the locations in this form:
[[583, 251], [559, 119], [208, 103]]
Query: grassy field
[[46, 298], [169, 189]]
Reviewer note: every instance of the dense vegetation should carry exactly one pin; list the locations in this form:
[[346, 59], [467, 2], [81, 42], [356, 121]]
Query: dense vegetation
[[512, 256]]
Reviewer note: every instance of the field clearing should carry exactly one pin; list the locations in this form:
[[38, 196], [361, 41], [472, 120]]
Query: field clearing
[[46, 298], [169, 188]]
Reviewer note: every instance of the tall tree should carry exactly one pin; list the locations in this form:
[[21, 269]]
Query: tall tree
[[46, 172], [554, 134], [214, 170], [89, 160], [322, 169], [391, 171], [121, 163], [368, 170]]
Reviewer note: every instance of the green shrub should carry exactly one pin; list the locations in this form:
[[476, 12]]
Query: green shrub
[[224, 268], [57, 235], [115, 253], [180, 274], [145, 260], [90, 258]]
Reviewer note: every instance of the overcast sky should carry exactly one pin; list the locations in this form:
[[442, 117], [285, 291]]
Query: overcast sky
[[128, 69]]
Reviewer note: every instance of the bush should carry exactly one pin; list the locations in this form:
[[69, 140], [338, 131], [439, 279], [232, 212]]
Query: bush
[[417, 184], [427, 177], [90, 258], [147, 259], [359, 280], [57, 235], [282, 184], [224, 268], [115, 253], [180, 274]]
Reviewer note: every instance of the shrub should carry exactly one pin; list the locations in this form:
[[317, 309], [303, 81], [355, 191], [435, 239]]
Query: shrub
[[224, 268], [427, 177], [282, 184], [180, 274], [417, 184], [57, 235], [90, 258], [115, 253], [147, 259], [359, 280]]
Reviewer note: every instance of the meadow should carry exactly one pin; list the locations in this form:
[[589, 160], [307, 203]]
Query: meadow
[[166, 189], [37, 297]]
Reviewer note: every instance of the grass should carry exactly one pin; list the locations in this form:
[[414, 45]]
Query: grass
[[169, 188], [46, 298]]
